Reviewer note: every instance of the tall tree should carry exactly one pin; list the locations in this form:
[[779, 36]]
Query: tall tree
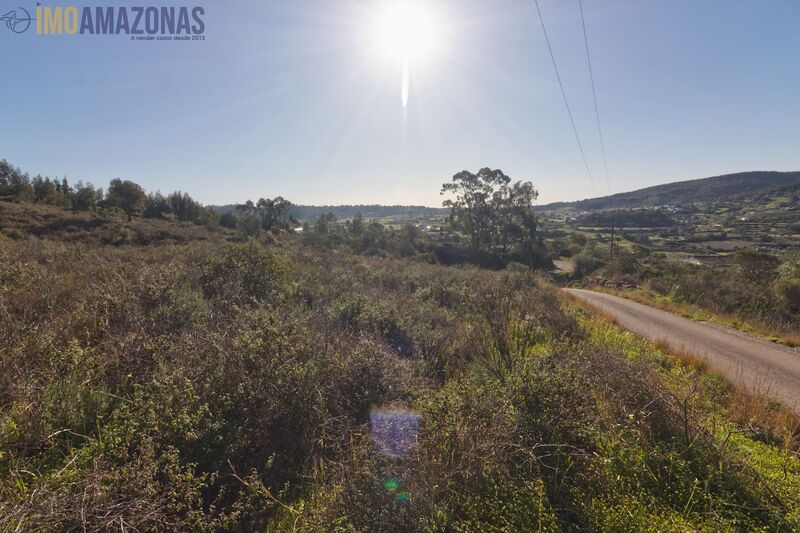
[[513, 215], [325, 224], [156, 205], [45, 191], [127, 196], [85, 198], [495, 213], [274, 213], [471, 210], [7, 174], [14, 184], [357, 225], [184, 207], [65, 192]]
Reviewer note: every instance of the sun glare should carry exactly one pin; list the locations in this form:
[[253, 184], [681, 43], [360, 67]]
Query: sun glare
[[407, 33]]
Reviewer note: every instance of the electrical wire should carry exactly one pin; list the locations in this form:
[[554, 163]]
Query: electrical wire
[[564, 94], [594, 95]]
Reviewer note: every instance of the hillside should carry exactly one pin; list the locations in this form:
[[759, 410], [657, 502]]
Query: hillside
[[689, 192], [52, 223], [724, 187], [394, 213]]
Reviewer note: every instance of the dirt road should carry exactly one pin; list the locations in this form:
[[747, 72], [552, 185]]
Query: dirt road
[[563, 266], [757, 364]]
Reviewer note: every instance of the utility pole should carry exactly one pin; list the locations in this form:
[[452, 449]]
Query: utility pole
[[613, 222]]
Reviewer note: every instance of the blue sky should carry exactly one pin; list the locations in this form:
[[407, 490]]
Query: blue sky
[[292, 98]]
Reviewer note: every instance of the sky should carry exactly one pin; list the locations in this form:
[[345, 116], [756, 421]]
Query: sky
[[299, 98]]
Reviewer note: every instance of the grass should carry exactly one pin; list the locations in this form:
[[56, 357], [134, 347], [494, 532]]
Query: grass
[[682, 357], [747, 427], [749, 408]]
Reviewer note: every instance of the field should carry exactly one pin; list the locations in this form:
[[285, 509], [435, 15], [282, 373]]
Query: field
[[187, 378], [710, 230]]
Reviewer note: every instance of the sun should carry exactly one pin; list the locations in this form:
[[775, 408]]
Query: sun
[[406, 31]]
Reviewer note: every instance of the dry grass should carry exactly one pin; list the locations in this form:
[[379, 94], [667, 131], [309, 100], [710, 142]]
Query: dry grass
[[793, 341], [682, 357], [748, 407], [755, 411]]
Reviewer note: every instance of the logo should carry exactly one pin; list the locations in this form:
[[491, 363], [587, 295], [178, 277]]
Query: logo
[[139, 23], [17, 20]]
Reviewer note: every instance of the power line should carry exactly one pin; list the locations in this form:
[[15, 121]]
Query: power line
[[597, 116], [594, 95], [564, 94]]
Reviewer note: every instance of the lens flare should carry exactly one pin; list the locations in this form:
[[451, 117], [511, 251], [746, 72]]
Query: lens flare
[[394, 431], [391, 484], [404, 85]]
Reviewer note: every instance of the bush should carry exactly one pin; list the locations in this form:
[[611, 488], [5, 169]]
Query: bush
[[787, 284], [622, 265], [12, 233], [584, 265], [245, 272]]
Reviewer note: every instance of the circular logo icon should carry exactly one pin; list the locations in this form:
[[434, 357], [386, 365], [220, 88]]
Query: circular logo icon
[[17, 20]]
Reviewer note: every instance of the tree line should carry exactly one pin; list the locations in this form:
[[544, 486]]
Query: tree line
[[491, 221], [124, 195], [249, 218]]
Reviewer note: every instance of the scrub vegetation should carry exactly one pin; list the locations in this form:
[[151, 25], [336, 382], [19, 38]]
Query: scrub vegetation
[[191, 378]]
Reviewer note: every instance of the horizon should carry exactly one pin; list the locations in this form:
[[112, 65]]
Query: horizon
[[298, 100], [537, 204]]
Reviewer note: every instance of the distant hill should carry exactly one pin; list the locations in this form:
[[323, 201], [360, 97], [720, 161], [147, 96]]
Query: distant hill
[[680, 193], [688, 192], [310, 213]]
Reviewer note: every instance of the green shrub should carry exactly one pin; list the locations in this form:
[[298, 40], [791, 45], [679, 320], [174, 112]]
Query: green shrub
[[12, 233], [182, 306], [787, 284], [245, 272], [584, 265], [621, 265]]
